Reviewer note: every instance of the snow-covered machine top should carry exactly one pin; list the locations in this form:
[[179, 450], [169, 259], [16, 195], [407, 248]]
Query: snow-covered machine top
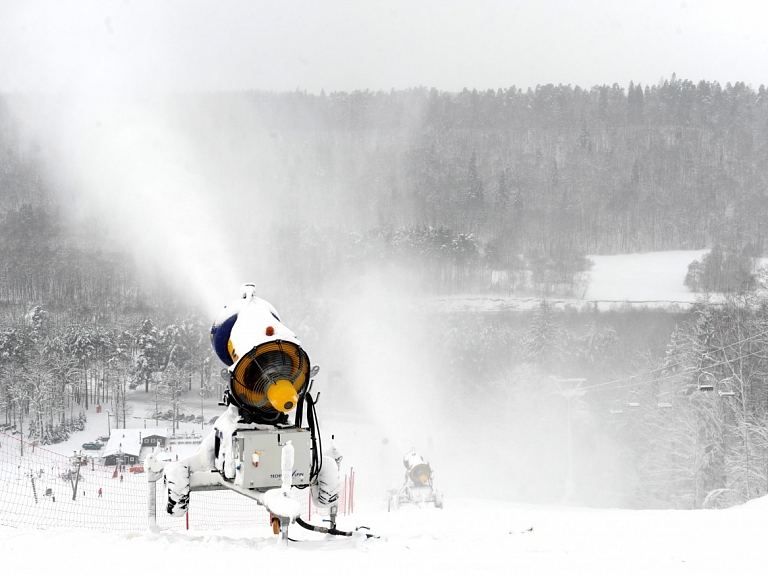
[[268, 370]]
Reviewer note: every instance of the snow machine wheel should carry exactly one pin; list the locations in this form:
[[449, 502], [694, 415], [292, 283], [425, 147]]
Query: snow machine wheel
[[438, 501], [275, 525]]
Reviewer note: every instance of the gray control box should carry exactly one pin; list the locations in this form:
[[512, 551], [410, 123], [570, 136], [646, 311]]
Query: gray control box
[[258, 457]]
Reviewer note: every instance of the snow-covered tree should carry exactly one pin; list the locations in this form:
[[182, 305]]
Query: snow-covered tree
[[147, 355], [541, 338]]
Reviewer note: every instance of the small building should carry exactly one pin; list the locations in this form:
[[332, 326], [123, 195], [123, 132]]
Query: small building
[[124, 447], [154, 437]]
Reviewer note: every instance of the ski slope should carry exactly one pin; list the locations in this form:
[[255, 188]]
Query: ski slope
[[471, 535]]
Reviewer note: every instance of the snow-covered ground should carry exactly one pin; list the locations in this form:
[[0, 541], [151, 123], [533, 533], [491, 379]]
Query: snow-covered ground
[[476, 532], [471, 535], [648, 277], [653, 279]]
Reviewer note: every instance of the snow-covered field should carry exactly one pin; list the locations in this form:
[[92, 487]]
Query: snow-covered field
[[648, 277], [653, 279]]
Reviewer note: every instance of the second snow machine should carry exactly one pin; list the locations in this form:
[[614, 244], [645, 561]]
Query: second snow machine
[[418, 487]]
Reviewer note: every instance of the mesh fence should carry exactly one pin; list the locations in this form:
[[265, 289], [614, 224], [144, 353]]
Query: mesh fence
[[43, 489]]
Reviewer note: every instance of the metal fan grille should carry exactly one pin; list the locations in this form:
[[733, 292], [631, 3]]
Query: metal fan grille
[[262, 367], [419, 471]]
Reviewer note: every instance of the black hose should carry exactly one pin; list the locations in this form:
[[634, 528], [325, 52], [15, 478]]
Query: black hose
[[317, 442], [319, 529], [299, 411], [329, 530]]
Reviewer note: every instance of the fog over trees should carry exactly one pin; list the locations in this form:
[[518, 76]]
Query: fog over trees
[[501, 191]]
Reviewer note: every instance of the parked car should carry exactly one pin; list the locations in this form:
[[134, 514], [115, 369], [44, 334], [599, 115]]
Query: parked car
[[93, 445]]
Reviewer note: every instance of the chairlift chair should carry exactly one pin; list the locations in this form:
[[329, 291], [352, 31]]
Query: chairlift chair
[[616, 407], [664, 401], [724, 388], [632, 399], [706, 381]]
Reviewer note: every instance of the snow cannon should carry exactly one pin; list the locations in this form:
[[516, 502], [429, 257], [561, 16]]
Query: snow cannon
[[268, 371], [417, 468], [253, 448], [418, 487]]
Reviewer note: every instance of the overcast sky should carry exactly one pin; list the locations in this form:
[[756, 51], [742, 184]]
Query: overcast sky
[[376, 44]]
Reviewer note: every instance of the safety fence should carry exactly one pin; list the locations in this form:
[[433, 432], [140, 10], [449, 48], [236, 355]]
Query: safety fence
[[44, 489]]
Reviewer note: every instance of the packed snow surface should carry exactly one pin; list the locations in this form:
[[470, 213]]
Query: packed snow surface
[[468, 536]]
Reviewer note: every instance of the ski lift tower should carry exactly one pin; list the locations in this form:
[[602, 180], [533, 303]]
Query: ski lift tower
[[570, 388]]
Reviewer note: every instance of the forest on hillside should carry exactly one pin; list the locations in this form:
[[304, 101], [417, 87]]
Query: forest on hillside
[[505, 188], [540, 171], [502, 190]]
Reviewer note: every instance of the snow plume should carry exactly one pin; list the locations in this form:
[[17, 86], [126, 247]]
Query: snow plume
[[381, 388], [125, 163], [387, 387], [138, 160]]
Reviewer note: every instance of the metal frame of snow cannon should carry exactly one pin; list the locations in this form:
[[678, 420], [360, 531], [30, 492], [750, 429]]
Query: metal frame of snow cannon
[[214, 481], [414, 489], [255, 467], [247, 460], [245, 440]]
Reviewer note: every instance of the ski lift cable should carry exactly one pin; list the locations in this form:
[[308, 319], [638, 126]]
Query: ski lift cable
[[668, 377], [671, 376], [716, 350], [652, 371]]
